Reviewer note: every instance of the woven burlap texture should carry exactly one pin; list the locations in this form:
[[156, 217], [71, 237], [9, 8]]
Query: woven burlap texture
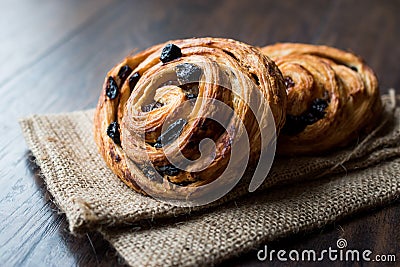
[[299, 194]]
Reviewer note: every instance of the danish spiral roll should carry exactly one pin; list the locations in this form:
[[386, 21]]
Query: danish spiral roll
[[332, 96], [160, 104]]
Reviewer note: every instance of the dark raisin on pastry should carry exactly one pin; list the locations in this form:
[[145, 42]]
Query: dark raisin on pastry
[[124, 72], [133, 80], [183, 183], [289, 83], [152, 106], [169, 170], [157, 145], [190, 96], [318, 107], [296, 124], [170, 52], [113, 132], [190, 88], [171, 133], [149, 172], [188, 73], [111, 88]]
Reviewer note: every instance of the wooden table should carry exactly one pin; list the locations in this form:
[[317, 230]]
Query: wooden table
[[55, 54]]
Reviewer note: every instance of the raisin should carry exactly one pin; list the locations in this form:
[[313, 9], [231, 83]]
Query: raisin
[[190, 88], [188, 73], [133, 80], [147, 108], [111, 88], [183, 183], [309, 118], [289, 82], [169, 170], [157, 145], [170, 52], [318, 107], [172, 132], [113, 132], [152, 106], [296, 124], [149, 173], [158, 105], [124, 72], [190, 96]]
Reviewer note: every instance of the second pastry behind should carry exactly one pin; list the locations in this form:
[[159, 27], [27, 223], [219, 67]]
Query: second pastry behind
[[333, 97]]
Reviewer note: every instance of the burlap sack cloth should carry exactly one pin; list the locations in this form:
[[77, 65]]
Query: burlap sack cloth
[[300, 194]]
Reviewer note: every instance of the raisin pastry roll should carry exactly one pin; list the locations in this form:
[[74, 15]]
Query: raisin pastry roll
[[333, 97], [156, 105]]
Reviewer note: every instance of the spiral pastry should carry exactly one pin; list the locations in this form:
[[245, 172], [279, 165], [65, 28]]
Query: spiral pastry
[[332, 96], [156, 106]]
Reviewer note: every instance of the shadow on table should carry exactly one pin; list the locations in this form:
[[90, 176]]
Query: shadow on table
[[89, 249]]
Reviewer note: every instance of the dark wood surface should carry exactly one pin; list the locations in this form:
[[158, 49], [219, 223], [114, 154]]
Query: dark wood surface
[[54, 55]]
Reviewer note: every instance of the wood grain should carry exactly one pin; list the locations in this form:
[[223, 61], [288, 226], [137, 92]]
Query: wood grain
[[31, 29], [54, 57]]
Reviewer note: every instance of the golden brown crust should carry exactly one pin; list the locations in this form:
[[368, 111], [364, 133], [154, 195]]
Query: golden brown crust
[[128, 160], [315, 74]]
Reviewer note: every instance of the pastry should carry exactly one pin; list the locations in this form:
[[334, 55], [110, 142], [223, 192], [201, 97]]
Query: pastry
[[156, 106], [333, 97]]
